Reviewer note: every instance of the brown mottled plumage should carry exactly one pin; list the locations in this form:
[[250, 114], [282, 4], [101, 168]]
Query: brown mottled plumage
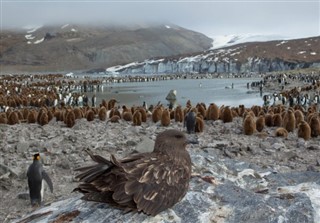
[[147, 182]]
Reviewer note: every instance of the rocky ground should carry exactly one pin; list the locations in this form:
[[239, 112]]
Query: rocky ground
[[61, 149]]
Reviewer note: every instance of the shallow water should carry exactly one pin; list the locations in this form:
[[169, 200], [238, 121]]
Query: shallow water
[[218, 91]]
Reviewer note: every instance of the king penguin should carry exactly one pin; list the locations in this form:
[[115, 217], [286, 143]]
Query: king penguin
[[36, 174]]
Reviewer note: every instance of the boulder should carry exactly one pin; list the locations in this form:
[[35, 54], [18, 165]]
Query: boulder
[[221, 190]]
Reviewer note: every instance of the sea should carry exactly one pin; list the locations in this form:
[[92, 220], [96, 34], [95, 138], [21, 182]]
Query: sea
[[229, 91]]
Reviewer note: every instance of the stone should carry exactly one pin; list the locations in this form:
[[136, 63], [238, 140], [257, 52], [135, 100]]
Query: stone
[[238, 192], [22, 147]]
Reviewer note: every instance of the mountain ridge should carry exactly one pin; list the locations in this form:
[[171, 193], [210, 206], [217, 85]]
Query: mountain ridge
[[75, 47]]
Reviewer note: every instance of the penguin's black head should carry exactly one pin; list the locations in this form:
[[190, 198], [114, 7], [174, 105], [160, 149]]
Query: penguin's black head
[[36, 156]]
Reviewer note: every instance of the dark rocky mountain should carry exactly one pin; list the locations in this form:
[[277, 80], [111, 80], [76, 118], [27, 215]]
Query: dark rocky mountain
[[257, 57], [75, 47]]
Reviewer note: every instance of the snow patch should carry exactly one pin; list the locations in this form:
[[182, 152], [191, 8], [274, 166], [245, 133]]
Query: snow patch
[[29, 36], [283, 42], [168, 27], [313, 53], [34, 29], [39, 41], [229, 40], [302, 52], [64, 26], [288, 48], [73, 30]]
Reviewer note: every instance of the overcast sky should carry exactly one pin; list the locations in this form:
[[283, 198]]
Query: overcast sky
[[295, 18]]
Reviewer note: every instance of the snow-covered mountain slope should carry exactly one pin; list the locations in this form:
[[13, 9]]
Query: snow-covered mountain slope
[[259, 57], [229, 40]]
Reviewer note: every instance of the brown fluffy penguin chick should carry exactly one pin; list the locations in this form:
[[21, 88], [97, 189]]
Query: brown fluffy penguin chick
[[268, 119], [114, 119], [156, 114], [13, 118], [32, 117], [178, 114], [137, 118], [213, 112], [114, 111], [25, 113], [226, 115], [44, 119], [199, 124], [78, 113], [127, 116], [201, 109], [50, 115], [315, 126], [3, 118], [289, 121], [277, 120], [111, 103], [90, 115], [298, 116], [102, 113], [165, 118], [143, 114], [144, 182], [304, 130], [281, 132], [249, 125], [260, 123], [70, 119]]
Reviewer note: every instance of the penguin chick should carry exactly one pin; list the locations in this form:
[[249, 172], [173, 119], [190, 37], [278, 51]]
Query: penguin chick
[[36, 174]]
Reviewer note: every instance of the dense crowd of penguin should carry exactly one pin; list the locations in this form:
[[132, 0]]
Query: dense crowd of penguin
[[41, 98]]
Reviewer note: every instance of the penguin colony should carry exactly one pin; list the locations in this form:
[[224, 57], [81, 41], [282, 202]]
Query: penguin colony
[[194, 119], [41, 103]]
